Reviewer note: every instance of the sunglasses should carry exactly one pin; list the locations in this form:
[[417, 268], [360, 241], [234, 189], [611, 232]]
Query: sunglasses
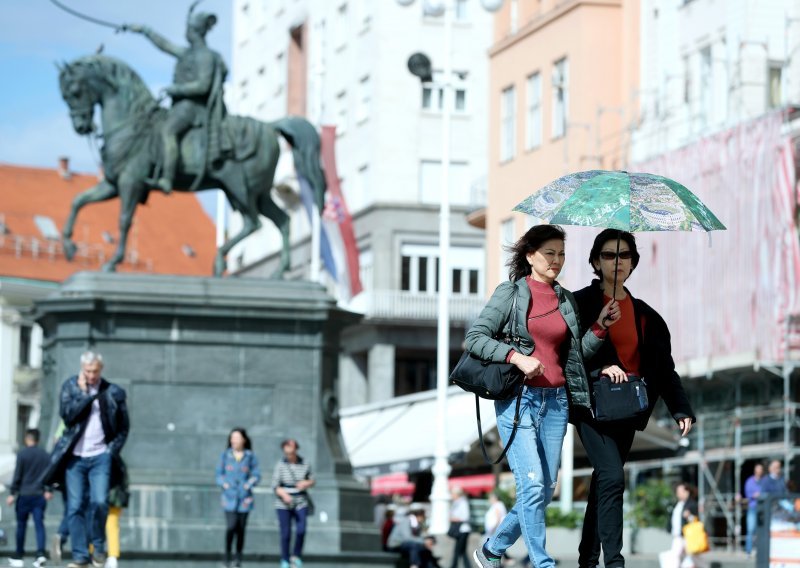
[[611, 255]]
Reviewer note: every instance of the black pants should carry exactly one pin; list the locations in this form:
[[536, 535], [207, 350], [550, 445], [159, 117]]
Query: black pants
[[236, 524], [460, 551], [607, 447]]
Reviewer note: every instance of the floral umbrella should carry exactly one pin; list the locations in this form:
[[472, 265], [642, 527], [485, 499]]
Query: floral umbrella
[[620, 200]]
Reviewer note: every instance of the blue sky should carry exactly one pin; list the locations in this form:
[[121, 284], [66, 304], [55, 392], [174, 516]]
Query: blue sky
[[34, 34]]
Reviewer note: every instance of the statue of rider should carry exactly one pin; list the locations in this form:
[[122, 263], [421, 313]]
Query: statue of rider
[[196, 93]]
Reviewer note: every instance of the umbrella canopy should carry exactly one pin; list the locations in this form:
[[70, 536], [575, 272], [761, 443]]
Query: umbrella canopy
[[620, 200]]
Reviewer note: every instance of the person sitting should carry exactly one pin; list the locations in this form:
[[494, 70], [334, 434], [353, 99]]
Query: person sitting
[[409, 538]]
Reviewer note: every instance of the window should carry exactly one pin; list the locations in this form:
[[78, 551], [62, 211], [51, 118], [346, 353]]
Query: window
[[281, 72], [774, 78], [430, 182], [560, 98], [364, 98], [706, 85], [508, 124], [419, 269], [433, 93], [25, 332], [461, 11], [533, 123], [341, 113]]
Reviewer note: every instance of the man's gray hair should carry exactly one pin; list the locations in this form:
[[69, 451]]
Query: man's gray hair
[[89, 357]]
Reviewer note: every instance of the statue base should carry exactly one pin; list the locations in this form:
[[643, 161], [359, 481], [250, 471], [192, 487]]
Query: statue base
[[198, 357]]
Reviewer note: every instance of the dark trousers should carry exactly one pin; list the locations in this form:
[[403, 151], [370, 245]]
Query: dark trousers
[[460, 551], [417, 554], [236, 525], [30, 505], [607, 447], [285, 517]]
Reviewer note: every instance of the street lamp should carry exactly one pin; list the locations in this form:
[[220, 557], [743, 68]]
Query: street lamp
[[440, 495]]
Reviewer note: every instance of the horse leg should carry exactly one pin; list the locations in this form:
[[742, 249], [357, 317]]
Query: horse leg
[[100, 192], [251, 225], [271, 211], [128, 202]]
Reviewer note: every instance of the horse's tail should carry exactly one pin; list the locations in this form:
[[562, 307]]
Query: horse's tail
[[305, 142]]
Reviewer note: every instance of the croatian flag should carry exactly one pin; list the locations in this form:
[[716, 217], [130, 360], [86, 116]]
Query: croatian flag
[[337, 239]]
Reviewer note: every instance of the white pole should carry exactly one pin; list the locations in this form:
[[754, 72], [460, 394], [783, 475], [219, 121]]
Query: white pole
[[315, 274], [440, 495], [567, 469]]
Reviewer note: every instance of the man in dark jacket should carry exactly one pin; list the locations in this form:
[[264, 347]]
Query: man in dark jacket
[[95, 416], [30, 495]]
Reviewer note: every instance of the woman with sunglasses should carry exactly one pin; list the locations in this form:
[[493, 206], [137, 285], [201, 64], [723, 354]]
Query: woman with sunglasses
[[639, 344]]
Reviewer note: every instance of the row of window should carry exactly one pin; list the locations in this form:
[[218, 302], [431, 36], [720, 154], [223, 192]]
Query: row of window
[[421, 274], [559, 84]]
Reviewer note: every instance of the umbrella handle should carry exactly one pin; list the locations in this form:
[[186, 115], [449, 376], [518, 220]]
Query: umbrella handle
[[614, 289]]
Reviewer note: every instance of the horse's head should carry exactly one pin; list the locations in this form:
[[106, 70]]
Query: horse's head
[[78, 89]]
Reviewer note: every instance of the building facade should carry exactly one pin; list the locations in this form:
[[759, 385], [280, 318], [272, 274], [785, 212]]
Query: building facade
[[344, 63]]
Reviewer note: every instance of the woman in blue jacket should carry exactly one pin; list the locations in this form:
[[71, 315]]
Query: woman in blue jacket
[[237, 474]]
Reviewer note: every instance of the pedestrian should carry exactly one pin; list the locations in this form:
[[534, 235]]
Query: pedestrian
[[685, 510], [291, 481], [638, 343], [386, 527], [62, 534], [30, 496], [460, 527], [237, 473], [95, 415], [752, 491], [409, 538], [550, 355], [494, 515], [118, 497]]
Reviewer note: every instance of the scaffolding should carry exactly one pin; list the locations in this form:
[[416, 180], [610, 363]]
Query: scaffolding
[[723, 442]]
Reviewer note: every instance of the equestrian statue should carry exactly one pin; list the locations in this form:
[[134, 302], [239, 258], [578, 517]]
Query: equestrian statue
[[192, 146]]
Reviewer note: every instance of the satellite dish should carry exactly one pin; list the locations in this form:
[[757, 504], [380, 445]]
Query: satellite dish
[[420, 66]]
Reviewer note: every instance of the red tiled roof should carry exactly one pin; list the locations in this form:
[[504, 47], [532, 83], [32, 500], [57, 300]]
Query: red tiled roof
[[160, 229]]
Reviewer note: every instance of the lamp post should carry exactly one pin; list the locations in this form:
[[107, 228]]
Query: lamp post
[[440, 495]]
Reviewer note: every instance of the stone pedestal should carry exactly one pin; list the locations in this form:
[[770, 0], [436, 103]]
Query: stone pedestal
[[198, 357]]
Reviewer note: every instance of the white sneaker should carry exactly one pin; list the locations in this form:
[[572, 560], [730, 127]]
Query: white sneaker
[[39, 562], [16, 562], [111, 562]]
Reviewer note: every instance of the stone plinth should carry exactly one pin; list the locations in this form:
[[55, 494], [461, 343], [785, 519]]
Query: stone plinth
[[199, 356]]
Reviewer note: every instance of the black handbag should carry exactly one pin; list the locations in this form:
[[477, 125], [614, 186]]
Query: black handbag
[[493, 381], [454, 531], [619, 401]]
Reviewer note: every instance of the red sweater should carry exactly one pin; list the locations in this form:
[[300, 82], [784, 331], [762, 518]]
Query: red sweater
[[548, 330]]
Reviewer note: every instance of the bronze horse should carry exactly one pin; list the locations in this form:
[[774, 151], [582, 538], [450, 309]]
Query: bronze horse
[[131, 119]]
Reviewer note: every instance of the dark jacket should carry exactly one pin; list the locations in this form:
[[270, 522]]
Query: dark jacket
[[29, 472], [75, 409], [690, 507], [494, 321], [655, 355]]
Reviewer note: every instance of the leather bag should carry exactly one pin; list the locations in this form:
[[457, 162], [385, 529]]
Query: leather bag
[[619, 401], [493, 381]]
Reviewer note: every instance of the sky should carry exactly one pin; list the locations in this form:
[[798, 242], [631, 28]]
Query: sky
[[35, 34]]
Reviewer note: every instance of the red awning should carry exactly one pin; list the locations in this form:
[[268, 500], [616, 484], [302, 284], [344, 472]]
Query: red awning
[[474, 485], [392, 484]]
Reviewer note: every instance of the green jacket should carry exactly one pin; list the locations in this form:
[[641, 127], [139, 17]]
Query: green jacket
[[494, 321]]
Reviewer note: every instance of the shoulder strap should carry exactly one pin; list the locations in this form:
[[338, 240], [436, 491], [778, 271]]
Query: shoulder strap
[[510, 438]]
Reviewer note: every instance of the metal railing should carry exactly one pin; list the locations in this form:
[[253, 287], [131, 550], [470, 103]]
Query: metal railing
[[401, 305]]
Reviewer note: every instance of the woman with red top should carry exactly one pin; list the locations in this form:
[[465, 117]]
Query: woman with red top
[[638, 344], [550, 354]]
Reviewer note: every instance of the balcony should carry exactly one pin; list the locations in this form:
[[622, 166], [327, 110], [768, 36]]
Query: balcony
[[416, 306]]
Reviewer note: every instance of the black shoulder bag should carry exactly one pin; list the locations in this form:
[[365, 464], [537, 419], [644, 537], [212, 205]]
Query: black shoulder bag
[[620, 401], [493, 381]]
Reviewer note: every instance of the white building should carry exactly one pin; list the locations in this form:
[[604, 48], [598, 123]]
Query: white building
[[707, 65], [344, 62]]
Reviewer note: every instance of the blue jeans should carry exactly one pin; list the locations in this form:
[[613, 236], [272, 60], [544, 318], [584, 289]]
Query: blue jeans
[[30, 505], [534, 457], [88, 475], [752, 521], [285, 517]]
